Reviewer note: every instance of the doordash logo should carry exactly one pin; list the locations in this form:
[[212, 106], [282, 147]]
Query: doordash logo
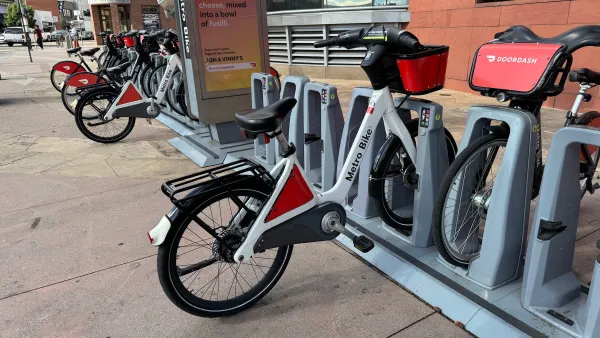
[[511, 59]]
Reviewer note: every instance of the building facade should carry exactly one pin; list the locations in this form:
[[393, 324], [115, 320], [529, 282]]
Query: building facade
[[126, 15], [462, 24]]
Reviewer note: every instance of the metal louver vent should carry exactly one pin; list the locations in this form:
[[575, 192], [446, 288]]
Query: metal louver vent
[[278, 45], [339, 56], [302, 40]]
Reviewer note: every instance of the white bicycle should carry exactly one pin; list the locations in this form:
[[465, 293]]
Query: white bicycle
[[229, 237], [107, 112]]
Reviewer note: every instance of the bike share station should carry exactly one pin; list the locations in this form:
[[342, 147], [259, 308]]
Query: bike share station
[[500, 294]]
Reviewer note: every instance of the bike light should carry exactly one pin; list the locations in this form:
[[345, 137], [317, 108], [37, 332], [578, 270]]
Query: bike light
[[267, 139]]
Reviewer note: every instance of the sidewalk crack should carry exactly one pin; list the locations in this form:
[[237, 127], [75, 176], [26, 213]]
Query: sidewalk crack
[[76, 277]]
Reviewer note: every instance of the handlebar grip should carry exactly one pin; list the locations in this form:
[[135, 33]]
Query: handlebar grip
[[327, 42]]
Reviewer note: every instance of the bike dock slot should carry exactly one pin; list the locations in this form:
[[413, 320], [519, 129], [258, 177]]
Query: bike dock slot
[[264, 92], [358, 201], [323, 125], [550, 288], [293, 125]]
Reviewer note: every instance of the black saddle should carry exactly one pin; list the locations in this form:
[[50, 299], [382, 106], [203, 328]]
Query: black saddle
[[584, 75], [574, 39], [90, 52], [73, 50], [120, 68], [264, 120]]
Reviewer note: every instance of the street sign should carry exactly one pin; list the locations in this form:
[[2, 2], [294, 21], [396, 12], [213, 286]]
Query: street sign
[[61, 5]]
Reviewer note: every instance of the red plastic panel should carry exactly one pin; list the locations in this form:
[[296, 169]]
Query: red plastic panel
[[68, 67], [423, 73], [515, 66], [294, 194], [83, 79], [131, 94], [129, 42]]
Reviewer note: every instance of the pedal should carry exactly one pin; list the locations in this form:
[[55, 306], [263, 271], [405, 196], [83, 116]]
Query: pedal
[[363, 243]]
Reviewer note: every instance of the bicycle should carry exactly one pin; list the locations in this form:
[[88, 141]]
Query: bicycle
[[477, 162], [251, 218], [78, 83], [116, 109], [62, 69]]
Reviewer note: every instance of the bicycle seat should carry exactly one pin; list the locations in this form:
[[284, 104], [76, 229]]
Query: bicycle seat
[[73, 50], [264, 120], [574, 39], [90, 52], [584, 75], [120, 68]]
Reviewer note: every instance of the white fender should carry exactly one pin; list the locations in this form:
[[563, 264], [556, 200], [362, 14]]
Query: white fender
[[159, 233]]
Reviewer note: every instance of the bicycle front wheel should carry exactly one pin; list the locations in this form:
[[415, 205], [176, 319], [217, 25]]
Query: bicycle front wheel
[[89, 117], [171, 96], [197, 272]]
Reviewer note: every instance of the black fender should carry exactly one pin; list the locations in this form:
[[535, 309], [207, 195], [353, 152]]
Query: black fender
[[384, 152], [585, 118]]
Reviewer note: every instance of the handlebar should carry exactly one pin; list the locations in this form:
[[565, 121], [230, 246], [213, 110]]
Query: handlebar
[[390, 36]]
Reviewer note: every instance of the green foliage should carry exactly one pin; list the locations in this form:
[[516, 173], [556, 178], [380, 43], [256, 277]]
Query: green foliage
[[13, 16]]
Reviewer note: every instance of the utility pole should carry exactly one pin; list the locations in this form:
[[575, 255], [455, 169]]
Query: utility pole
[[25, 29]]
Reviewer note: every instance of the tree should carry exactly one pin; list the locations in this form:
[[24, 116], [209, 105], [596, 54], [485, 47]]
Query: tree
[[13, 16]]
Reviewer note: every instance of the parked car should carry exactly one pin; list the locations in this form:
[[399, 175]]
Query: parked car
[[14, 35], [87, 35], [54, 35], [2, 37]]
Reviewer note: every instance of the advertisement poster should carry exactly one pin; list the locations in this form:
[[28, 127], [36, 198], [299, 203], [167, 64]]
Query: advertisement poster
[[151, 21], [229, 35]]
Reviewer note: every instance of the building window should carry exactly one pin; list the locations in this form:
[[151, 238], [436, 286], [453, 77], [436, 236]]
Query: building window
[[124, 22], [290, 5], [68, 13], [151, 17], [105, 19]]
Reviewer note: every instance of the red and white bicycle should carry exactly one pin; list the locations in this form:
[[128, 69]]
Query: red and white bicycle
[[229, 237]]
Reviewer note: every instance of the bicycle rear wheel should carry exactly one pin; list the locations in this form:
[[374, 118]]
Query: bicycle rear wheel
[[198, 273], [89, 117]]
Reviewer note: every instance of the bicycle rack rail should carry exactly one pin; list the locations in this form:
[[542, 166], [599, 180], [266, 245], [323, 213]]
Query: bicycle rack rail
[[500, 259], [322, 118], [293, 125], [264, 92], [550, 289]]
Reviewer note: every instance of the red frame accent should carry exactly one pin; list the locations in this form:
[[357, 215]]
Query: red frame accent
[[423, 73], [76, 79], [74, 67], [294, 194], [130, 95], [510, 66]]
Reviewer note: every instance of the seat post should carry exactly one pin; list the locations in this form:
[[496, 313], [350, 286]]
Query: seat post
[[285, 149]]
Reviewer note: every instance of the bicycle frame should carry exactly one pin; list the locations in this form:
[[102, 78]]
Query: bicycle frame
[[381, 105], [132, 103]]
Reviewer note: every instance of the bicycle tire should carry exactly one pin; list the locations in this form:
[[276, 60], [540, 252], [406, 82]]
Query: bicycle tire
[[70, 100], [172, 95], [439, 211], [101, 57], [377, 189], [80, 120], [154, 79], [56, 85], [167, 268], [144, 74]]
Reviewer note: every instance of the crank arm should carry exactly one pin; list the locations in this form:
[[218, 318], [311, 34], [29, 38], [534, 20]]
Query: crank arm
[[90, 124], [195, 267]]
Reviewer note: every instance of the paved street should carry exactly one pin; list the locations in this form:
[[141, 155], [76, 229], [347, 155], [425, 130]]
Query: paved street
[[77, 263]]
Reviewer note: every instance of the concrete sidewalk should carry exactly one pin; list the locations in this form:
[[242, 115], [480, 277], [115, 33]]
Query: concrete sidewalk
[[77, 263]]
